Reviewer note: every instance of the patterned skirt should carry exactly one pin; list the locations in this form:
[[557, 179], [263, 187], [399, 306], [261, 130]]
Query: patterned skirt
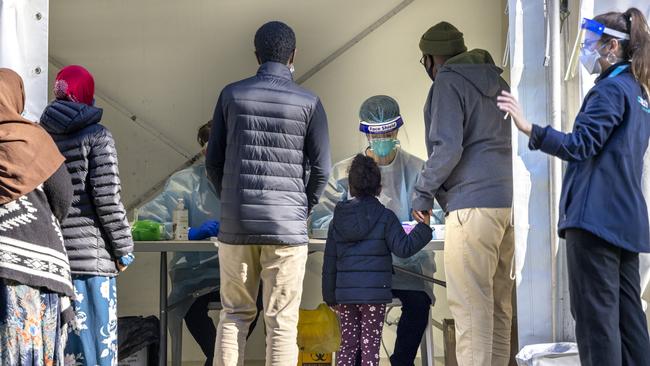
[[92, 339], [31, 332]]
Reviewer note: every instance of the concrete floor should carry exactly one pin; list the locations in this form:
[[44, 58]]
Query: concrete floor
[[439, 362]]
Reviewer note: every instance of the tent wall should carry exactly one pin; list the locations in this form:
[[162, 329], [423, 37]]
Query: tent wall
[[23, 48]]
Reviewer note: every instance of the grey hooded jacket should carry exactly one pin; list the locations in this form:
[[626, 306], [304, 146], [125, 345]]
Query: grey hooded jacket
[[468, 141], [268, 158], [96, 231]]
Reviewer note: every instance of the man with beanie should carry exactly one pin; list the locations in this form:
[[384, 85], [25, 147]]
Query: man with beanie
[[266, 131], [469, 172]]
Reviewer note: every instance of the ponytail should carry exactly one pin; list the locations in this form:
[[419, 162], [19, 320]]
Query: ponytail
[[637, 48]]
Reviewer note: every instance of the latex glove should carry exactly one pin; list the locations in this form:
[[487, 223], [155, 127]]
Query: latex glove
[[206, 230]]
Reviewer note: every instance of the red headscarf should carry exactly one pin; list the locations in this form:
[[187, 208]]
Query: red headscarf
[[76, 84]]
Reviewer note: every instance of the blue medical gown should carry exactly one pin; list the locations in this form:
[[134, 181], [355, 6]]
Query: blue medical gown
[[398, 181], [189, 272]]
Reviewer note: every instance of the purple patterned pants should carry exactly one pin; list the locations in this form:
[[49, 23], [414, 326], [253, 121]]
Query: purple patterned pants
[[361, 326]]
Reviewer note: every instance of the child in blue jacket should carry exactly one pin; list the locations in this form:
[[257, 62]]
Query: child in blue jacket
[[357, 270]]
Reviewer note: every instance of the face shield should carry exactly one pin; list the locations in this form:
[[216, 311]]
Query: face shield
[[586, 45], [382, 137]]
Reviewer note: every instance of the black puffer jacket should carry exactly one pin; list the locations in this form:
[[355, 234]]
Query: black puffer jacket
[[96, 231], [267, 130]]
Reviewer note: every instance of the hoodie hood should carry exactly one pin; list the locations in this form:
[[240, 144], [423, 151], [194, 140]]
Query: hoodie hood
[[64, 117], [478, 68], [354, 219]]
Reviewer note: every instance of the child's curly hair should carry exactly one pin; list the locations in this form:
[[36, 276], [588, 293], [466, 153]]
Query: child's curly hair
[[364, 177]]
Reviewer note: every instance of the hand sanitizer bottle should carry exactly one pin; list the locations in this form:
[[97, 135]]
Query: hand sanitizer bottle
[[180, 221]]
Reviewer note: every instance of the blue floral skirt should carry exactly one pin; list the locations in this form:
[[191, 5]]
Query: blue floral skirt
[[31, 332], [92, 339]]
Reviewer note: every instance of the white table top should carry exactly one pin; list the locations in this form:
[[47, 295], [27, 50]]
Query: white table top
[[315, 245]]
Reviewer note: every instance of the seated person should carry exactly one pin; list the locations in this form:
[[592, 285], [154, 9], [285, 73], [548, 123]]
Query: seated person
[[192, 272], [380, 122]]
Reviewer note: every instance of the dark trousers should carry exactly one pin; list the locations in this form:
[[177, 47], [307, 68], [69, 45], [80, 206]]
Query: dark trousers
[[202, 327], [611, 327], [411, 326]]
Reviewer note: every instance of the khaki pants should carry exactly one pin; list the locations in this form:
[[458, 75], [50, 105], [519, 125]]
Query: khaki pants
[[281, 269], [479, 247]]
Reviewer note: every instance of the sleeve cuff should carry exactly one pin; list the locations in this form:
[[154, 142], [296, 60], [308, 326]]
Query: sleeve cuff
[[546, 139], [425, 230], [127, 259], [537, 136]]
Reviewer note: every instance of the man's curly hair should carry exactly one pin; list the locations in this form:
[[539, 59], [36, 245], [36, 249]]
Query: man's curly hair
[[275, 42]]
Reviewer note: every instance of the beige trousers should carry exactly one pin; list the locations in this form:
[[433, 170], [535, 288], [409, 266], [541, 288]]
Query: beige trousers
[[479, 248], [281, 269]]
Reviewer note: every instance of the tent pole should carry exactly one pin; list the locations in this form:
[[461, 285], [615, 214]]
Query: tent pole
[[356, 39]]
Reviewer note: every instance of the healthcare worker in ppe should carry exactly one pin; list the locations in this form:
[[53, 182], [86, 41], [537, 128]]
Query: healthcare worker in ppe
[[603, 213], [380, 122], [194, 275]]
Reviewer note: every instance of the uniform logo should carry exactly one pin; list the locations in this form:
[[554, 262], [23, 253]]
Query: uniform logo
[[644, 104]]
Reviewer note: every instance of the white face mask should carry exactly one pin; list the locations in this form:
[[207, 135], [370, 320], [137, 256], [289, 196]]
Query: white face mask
[[589, 59]]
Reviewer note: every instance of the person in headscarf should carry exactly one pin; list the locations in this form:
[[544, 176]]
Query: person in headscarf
[[97, 233], [35, 195]]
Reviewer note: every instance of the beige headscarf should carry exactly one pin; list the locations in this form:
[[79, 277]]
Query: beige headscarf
[[28, 155]]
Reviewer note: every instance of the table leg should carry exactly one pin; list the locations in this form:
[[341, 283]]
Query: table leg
[[162, 355]]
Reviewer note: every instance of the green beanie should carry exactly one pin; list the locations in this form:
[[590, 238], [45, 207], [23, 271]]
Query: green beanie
[[443, 39]]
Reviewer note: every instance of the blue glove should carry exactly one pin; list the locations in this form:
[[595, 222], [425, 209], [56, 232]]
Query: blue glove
[[206, 230]]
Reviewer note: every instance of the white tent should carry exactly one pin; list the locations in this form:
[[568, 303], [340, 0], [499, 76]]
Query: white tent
[[159, 66]]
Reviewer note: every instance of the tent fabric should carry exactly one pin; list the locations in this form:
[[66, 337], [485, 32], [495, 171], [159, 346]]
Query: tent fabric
[[24, 45]]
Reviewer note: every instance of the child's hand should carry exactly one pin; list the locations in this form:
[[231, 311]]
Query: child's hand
[[121, 267], [123, 262], [423, 217], [427, 219]]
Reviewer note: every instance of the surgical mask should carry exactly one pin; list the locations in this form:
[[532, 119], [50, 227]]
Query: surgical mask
[[383, 147], [589, 59]]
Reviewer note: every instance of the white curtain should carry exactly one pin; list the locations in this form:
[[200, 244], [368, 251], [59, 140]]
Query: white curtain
[[531, 202], [24, 48]]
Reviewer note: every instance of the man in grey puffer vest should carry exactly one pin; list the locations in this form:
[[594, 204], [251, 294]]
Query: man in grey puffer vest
[[269, 160], [469, 171]]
